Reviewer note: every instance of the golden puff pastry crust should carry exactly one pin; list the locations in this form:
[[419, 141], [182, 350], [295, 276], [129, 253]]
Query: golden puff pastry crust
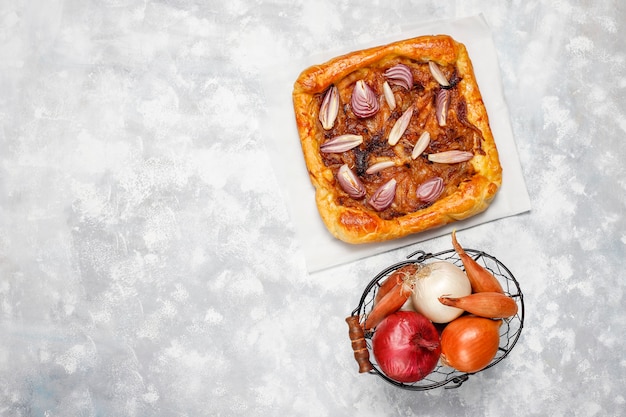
[[468, 186]]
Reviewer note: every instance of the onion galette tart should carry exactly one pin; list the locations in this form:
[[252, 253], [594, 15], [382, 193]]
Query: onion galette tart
[[396, 139]]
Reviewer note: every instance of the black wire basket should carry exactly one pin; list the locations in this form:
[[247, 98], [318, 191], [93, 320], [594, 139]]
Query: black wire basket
[[441, 376]]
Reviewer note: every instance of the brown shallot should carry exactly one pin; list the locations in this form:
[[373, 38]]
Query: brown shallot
[[494, 305], [481, 279], [390, 302]]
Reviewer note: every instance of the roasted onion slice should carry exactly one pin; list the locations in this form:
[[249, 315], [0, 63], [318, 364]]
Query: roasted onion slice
[[364, 101], [383, 197], [400, 75], [350, 183], [430, 190], [442, 102]]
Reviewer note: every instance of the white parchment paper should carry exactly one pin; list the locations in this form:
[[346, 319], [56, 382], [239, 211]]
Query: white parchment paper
[[321, 249]]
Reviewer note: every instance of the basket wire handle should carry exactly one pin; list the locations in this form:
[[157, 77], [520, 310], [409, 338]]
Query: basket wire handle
[[357, 337]]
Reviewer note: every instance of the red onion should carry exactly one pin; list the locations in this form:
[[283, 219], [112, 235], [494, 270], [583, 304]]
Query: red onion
[[400, 75], [406, 346], [364, 101]]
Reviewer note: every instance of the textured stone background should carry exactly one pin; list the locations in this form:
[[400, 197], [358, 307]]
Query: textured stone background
[[148, 265]]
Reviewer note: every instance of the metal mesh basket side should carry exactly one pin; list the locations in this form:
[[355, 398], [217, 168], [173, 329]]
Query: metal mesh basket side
[[444, 375]]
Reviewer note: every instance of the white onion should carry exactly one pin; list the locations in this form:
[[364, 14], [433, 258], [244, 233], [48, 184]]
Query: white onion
[[434, 280]]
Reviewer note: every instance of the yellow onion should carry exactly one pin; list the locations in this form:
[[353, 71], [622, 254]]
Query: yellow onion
[[469, 343]]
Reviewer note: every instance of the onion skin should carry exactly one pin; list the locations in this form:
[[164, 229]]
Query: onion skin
[[395, 278], [493, 305], [406, 346], [481, 279], [469, 343]]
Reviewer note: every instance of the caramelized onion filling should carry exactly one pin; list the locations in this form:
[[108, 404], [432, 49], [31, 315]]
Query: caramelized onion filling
[[390, 172]]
